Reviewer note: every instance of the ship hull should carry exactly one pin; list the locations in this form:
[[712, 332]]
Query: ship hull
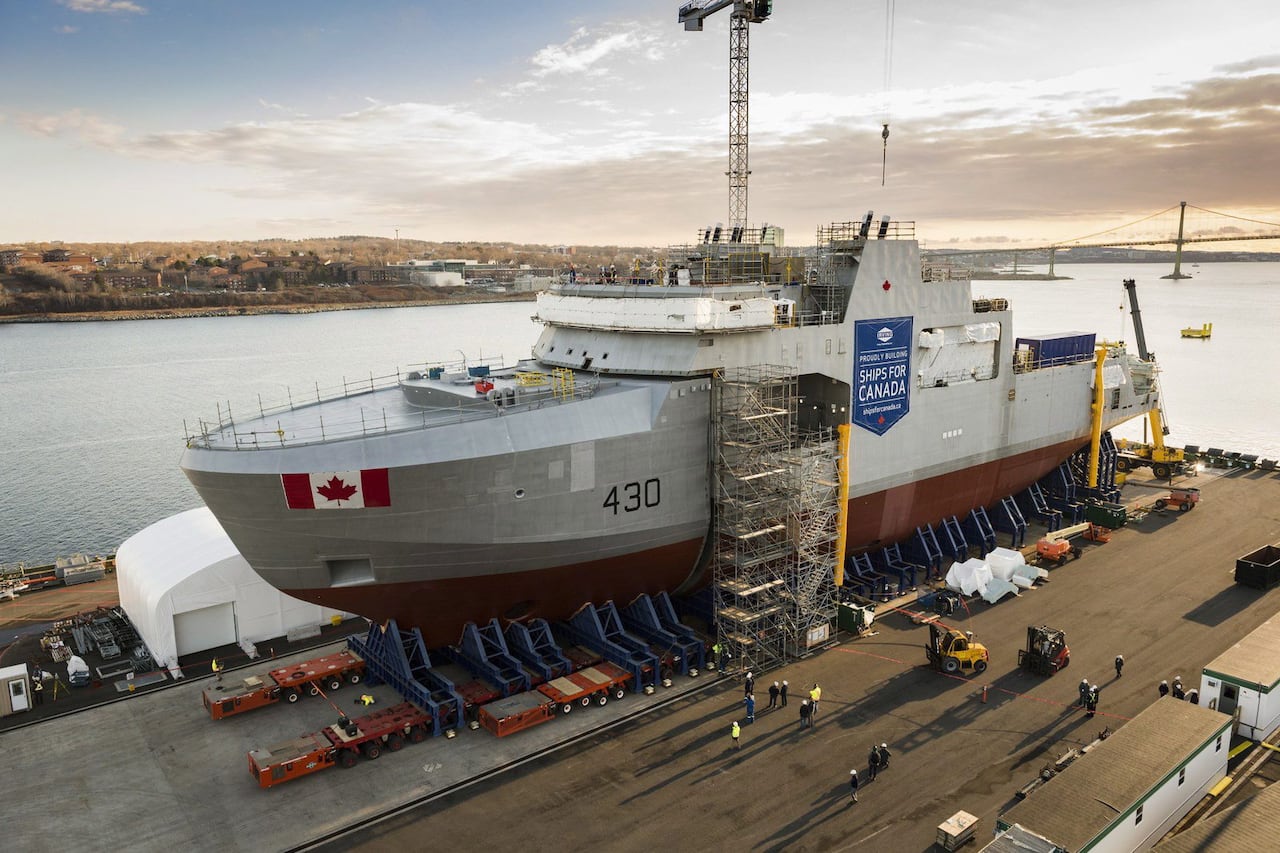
[[441, 607]]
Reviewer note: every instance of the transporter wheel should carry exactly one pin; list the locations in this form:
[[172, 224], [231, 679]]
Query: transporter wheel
[[566, 707], [347, 758], [1161, 503], [335, 682], [619, 692], [313, 688], [1122, 464], [292, 696], [979, 666], [585, 701], [1062, 561], [395, 742], [602, 698], [1161, 471], [1185, 506], [950, 665], [354, 677], [417, 734], [372, 749]]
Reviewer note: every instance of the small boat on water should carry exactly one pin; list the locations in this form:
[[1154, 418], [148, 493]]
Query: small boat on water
[[1204, 331]]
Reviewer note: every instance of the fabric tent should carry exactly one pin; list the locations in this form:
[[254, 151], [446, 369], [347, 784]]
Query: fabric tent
[[186, 589]]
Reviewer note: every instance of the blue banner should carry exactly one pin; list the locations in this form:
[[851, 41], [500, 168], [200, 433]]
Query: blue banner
[[881, 372]]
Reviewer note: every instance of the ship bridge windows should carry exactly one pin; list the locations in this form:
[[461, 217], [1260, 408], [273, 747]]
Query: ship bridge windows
[[947, 355]]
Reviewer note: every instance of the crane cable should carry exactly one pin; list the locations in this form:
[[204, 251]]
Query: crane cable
[[888, 74]]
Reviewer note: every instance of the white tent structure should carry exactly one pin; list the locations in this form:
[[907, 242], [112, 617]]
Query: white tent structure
[[186, 589]]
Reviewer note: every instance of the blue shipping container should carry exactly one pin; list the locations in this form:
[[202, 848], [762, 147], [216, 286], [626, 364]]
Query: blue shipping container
[[1060, 348]]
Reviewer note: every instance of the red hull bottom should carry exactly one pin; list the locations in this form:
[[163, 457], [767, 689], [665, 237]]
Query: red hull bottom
[[441, 608]]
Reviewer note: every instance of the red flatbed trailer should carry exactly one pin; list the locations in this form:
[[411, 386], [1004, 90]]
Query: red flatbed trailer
[[525, 710], [340, 744], [288, 683], [594, 683]]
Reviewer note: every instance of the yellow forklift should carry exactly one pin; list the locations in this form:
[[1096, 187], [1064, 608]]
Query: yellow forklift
[[951, 650]]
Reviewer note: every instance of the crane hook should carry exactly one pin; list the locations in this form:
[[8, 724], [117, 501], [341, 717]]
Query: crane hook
[[884, 159]]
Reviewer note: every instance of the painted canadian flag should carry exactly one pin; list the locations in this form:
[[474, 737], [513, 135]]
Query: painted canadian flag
[[337, 489]]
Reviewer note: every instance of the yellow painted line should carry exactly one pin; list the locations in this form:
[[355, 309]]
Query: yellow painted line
[[1239, 748], [1220, 787]]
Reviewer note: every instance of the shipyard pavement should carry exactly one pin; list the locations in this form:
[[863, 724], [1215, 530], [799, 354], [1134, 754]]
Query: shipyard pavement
[[155, 773]]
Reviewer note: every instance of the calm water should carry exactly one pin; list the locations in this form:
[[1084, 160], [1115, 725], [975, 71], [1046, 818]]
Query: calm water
[[92, 414]]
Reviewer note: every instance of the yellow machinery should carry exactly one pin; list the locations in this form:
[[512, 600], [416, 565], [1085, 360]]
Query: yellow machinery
[[952, 650], [1165, 462]]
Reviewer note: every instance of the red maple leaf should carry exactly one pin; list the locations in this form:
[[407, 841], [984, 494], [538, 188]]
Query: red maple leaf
[[336, 490]]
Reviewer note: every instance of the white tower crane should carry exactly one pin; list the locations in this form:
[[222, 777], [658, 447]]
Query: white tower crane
[[744, 12]]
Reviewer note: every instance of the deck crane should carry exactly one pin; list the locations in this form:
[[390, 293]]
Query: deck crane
[[744, 12], [1165, 461]]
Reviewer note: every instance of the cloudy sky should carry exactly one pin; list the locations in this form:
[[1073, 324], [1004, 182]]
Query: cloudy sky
[[605, 122]]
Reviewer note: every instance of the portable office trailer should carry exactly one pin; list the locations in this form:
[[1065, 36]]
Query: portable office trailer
[[1244, 681], [15, 690], [1131, 788]]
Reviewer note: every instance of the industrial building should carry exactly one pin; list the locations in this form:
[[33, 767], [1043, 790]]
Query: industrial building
[[1130, 789], [1243, 681], [186, 589]]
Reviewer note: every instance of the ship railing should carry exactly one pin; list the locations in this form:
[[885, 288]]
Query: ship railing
[[848, 236], [223, 433], [1026, 362]]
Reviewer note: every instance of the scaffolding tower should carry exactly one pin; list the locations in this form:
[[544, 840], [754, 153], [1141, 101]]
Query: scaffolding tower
[[777, 519]]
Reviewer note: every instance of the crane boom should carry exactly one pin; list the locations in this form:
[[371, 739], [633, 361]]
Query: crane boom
[[744, 12], [1170, 458]]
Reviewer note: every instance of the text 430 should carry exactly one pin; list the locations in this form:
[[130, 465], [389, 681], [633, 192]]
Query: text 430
[[630, 497]]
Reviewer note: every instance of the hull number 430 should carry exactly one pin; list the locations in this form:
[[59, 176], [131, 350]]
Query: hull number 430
[[630, 497]]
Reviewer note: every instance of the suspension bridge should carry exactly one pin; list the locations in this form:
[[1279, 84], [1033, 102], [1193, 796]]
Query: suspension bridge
[[1168, 227]]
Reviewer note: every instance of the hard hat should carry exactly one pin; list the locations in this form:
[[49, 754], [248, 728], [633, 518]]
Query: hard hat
[[853, 772], [1164, 682], [748, 675], [884, 746]]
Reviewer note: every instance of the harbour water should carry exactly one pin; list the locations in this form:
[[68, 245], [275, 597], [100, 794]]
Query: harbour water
[[92, 414]]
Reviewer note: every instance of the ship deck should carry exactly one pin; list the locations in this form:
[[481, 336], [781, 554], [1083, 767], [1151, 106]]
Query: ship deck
[[157, 774], [381, 406]]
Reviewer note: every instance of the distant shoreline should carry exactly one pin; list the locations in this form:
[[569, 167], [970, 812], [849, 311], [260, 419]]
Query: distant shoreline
[[250, 310]]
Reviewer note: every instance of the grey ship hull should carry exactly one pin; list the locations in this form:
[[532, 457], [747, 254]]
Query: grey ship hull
[[533, 507]]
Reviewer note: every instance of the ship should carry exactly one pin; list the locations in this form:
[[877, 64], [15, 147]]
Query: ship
[[468, 491]]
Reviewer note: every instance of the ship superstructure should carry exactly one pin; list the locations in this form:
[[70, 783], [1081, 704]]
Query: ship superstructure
[[465, 492]]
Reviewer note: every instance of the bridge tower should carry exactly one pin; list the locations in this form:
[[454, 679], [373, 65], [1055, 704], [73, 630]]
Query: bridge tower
[[1177, 253]]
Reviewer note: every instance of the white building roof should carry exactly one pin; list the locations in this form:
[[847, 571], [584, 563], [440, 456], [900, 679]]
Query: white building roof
[[186, 562], [1255, 660]]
